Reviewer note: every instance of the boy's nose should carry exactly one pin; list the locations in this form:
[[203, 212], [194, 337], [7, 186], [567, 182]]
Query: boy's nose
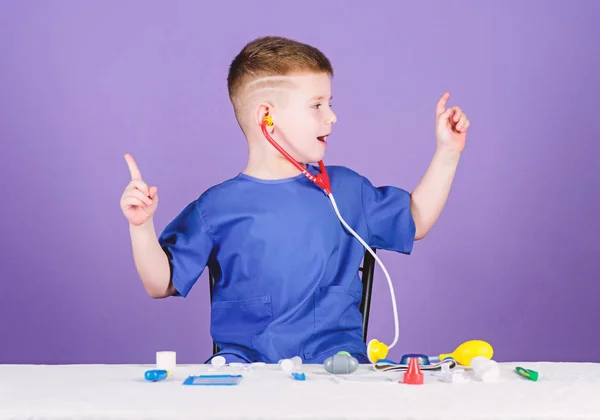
[[332, 118]]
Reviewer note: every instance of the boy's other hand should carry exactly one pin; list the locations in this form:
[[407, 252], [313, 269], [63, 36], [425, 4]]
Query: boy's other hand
[[451, 126], [138, 201]]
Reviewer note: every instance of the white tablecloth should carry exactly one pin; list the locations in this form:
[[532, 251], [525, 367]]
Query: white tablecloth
[[564, 391]]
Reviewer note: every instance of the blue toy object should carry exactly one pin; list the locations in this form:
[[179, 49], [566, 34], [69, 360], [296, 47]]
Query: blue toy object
[[220, 380], [421, 358], [386, 365], [155, 375]]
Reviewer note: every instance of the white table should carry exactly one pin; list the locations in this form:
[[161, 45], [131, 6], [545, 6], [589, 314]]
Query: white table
[[564, 391]]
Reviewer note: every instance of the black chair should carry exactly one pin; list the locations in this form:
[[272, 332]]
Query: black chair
[[367, 273]]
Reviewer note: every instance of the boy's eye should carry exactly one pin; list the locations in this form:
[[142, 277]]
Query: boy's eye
[[317, 106]]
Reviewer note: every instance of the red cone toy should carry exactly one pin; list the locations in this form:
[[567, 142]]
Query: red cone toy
[[413, 376]]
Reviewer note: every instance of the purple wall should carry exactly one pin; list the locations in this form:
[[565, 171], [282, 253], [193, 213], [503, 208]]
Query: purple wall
[[514, 258]]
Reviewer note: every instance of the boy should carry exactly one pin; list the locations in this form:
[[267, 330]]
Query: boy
[[286, 270]]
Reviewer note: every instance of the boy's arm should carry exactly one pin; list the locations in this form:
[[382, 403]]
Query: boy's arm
[[430, 195], [138, 204], [168, 265], [151, 261]]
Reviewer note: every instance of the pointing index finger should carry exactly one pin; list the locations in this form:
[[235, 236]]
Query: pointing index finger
[[441, 105], [133, 169]]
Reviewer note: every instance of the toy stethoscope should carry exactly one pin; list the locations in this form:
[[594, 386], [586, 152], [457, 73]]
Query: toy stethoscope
[[376, 350]]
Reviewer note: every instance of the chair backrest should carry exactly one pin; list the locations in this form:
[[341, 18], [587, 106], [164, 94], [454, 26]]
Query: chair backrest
[[367, 273]]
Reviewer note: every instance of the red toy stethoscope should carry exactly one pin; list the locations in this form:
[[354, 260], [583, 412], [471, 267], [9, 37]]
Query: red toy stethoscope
[[376, 350]]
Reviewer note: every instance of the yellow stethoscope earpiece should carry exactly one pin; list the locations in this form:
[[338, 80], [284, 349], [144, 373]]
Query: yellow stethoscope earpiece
[[376, 350], [268, 120]]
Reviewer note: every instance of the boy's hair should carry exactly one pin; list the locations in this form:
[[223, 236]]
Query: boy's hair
[[274, 56]]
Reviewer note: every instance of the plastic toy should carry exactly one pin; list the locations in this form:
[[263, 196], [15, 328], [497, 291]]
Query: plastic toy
[[484, 369], [376, 350], [341, 363], [464, 353], [423, 359], [455, 376], [390, 366], [218, 362], [532, 375], [413, 376], [214, 380], [156, 375], [288, 365]]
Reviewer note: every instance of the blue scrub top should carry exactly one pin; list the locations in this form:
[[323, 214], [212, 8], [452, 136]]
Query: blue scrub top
[[286, 270]]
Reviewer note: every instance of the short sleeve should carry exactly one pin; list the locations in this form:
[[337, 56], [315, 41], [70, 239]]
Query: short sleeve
[[188, 245], [388, 217]]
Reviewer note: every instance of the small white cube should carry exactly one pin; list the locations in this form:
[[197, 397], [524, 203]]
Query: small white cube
[[455, 376]]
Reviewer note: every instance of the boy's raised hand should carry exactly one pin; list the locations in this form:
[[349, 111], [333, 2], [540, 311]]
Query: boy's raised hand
[[138, 201], [451, 125]]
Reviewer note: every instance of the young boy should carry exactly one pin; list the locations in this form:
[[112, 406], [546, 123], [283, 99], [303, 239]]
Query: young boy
[[287, 272]]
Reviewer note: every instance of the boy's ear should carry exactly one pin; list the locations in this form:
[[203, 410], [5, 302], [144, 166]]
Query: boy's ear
[[263, 110]]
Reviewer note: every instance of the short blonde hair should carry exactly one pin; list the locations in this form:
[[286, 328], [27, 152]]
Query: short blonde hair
[[274, 56]]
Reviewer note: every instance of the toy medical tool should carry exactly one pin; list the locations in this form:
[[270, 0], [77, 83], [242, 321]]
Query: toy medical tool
[[218, 362], [484, 369], [156, 375], [390, 366], [166, 360], [413, 376], [421, 358], [464, 353], [222, 380], [340, 363], [376, 350], [288, 365], [454, 376], [532, 375]]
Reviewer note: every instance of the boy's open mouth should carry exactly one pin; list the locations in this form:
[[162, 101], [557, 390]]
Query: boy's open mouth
[[322, 139]]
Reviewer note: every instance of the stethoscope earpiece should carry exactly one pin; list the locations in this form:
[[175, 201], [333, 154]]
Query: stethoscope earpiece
[[268, 120]]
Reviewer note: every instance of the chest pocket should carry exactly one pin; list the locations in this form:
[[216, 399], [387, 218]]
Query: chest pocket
[[237, 321]]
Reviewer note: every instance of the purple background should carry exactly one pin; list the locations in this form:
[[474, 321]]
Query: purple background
[[513, 260]]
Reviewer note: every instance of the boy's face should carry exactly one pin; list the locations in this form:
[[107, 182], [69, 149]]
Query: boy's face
[[305, 119]]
